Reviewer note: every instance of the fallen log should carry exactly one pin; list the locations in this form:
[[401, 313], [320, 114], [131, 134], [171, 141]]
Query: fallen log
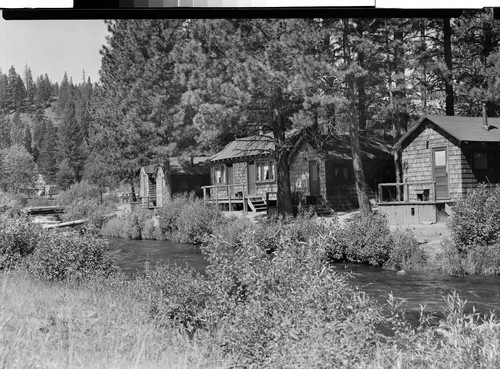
[[65, 224]]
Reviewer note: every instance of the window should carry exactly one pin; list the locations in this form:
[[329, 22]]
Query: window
[[341, 173], [480, 160], [265, 171], [219, 174]]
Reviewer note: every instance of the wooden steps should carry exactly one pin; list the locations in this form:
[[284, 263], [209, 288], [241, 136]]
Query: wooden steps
[[257, 204]]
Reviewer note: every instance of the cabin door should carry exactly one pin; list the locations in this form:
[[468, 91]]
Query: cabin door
[[251, 175], [314, 178], [440, 168]]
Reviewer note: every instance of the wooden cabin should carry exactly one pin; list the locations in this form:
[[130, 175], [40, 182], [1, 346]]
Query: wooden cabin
[[321, 170], [321, 175], [442, 157], [186, 176]]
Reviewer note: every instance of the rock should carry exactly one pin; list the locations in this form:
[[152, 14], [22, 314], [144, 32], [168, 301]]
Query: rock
[[401, 272]]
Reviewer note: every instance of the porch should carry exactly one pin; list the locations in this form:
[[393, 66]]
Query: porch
[[411, 202], [235, 197]]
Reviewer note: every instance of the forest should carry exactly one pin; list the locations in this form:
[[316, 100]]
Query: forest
[[188, 86]]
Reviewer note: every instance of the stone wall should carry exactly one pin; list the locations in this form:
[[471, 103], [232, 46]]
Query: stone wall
[[417, 163]]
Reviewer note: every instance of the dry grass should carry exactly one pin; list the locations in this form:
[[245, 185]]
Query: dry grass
[[95, 326]]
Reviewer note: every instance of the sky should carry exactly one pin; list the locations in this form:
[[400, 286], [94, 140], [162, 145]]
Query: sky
[[52, 47]]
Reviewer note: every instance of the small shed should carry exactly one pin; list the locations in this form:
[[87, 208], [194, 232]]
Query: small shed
[[186, 175], [442, 157]]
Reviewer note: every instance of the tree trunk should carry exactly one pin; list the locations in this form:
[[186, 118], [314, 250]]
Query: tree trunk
[[167, 192], [132, 189], [285, 206], [450, 101], [399, 174], [357, 164]]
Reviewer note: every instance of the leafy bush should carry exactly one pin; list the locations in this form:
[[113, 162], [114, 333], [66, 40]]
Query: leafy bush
[[364, 240], [174, 294], [125, 226], [18, 238], [475, 232], [406, 253], [60, 256], [187, 218], [481, 260], [476, 219], [286, 309], [79, 191]]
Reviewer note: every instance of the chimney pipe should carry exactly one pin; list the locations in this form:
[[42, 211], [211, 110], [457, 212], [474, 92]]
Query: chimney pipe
[[485, 117]]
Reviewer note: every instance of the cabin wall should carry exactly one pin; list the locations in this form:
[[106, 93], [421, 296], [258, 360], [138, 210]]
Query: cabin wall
[[417, 163], [160, 188], [471, 176], [299, 172], [143, 187]]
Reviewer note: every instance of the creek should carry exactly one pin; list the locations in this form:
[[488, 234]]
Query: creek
[[417, 288]]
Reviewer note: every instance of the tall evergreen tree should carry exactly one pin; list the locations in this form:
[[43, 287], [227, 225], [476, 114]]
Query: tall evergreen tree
[[47, 160]]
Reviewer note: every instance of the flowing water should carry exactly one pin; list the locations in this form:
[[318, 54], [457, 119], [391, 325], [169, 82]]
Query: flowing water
[[417, 288]]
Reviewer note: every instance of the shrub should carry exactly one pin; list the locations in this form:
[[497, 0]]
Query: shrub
[[475, 232], [125, 226], [60, 256], [187, 218], [368, 240], [476, 218], [482, 260], [79, 191], [18, 238], [406, 253], [174, 294], [286, 309]]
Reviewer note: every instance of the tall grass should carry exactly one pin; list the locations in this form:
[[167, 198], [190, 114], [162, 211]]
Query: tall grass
[[98, 325]]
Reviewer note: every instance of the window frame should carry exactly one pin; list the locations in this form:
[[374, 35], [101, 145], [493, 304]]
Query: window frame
[[259, 171], [223, 169], [344, 180]]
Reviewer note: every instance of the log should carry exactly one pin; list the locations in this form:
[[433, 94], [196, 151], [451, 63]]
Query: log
[[65, 224]]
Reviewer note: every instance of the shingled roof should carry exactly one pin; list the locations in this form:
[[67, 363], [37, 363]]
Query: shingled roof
[[178, 166], [458, 129], [252, 146], [339, 148]]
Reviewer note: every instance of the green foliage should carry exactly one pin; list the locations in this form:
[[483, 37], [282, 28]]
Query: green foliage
[[187, 219], [475, 232], [82, 201], [60, 256], [274, 310], [363, 240], [406, 253], [174, 294], [476, 218], [19, 237], [17, 168], [125, 226]]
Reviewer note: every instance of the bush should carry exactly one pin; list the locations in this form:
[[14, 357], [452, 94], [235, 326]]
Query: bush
[[406, 253], [187, 218], [79, 191], [60, 256], [125, 226], [475, 232], [366, 240], [174, 294], [286, 309], [481, 260], [476, 219], [18, 238]]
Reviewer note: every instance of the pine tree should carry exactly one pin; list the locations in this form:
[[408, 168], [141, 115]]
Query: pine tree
[[47, 160]]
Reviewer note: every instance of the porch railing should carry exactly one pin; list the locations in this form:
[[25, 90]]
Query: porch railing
[[227, 194], [401, 192]]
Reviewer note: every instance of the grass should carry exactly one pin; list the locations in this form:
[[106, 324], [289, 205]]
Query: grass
[[99, 325]]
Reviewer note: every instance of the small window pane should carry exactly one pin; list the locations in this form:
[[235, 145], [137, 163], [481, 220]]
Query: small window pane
[[480, 160], [440, 158]]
